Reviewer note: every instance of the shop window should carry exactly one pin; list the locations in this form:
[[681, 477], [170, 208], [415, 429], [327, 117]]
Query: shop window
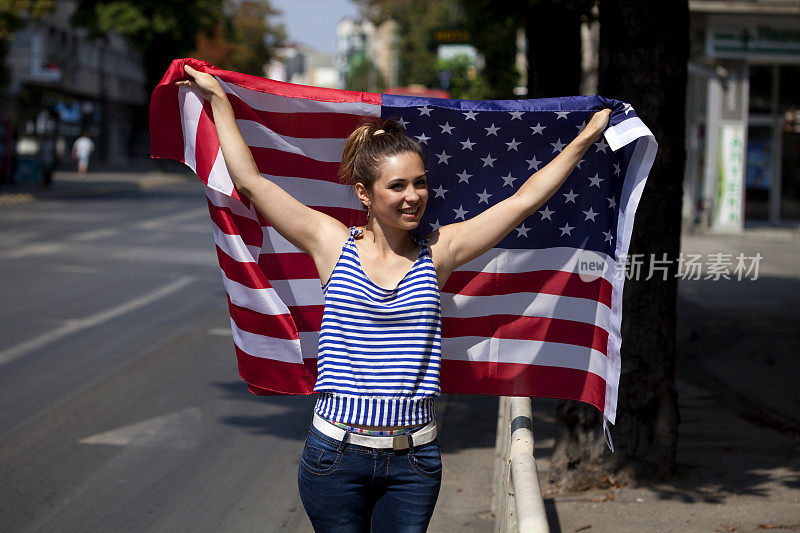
[[760, 88], [790, 87]]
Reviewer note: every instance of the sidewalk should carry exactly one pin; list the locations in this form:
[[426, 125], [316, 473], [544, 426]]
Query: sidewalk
[[738, 378], [140, 175]]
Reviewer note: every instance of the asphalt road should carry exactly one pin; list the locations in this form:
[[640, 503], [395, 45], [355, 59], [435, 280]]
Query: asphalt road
[[122, 409]]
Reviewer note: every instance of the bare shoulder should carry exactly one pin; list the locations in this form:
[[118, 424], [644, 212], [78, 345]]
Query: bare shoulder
[[328, 246], [439, 248], [331, 237]]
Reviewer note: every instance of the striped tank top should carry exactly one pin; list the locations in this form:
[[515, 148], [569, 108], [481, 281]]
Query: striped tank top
[[379, 349]]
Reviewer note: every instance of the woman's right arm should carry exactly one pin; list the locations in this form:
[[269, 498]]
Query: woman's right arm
[[304, 227]]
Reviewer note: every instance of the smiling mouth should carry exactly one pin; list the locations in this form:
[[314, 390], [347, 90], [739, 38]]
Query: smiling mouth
[[410, 211]]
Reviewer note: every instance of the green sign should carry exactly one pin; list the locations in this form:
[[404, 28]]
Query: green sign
[[753, 41]]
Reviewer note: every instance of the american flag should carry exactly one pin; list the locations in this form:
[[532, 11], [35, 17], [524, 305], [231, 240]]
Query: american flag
[[538, 315]]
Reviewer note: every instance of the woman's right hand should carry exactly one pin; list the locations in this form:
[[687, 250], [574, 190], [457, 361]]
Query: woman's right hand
[[205, 84]]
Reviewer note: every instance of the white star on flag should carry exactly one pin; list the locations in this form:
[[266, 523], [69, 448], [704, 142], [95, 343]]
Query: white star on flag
[[460, 212], [538, 128], [425, 110], [608, 236], [443, 157], [596, 180], [508, 180], [617, 170], [483, 196], [581, 126], [467, 145], [580, 163], [440, 191], [557, 146], [488, 161], [612, 203], [561, 114], [435, 225], [522, 231], [513, 145], [402, 122], [446, 128], [570, 197], [628, 108], [566, 229], [492, 130], [422, 138], [533, 163], [470, 115], [516, 114], [546, 212], [590, 214], [463, 176], [601, 145]]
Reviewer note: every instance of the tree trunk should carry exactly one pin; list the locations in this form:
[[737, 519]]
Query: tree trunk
[[643, 61], [554, 49]]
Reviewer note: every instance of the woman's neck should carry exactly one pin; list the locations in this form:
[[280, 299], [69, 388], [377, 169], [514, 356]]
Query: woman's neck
[[388, 240]]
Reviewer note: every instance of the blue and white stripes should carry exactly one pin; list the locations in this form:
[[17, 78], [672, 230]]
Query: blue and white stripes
[[379, 349]]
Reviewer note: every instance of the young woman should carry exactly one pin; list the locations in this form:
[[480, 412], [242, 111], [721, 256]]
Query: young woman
[[371, 458]]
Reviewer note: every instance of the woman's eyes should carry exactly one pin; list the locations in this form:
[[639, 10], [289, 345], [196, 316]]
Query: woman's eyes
[[419, 183]]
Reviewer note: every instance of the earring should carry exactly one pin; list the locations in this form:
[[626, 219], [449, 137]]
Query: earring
[[367, 206]]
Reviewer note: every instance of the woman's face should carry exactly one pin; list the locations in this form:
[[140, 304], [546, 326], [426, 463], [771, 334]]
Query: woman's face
[[399, 196]]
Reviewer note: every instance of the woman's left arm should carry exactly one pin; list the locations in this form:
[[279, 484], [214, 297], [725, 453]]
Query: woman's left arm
[[459, 243]]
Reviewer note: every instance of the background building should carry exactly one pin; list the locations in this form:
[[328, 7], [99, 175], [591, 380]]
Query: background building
[[359, 43], [63, 82], [300, 64], [743, 133]]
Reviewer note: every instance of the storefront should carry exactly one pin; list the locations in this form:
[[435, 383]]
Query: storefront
[[743, 118]]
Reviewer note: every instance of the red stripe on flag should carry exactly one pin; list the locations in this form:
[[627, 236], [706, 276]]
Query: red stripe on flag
[[300, 125], [166, 134], [307, 317], [276, 326], [283, 378], [516, 379], [297, 265], [206, 143], [246, 273], [279, 163], [532, 328], [543, 281], [302, 318], [282, 88], [247, 228]]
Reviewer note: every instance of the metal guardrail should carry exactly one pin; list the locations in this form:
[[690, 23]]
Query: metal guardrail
[[517, 501]]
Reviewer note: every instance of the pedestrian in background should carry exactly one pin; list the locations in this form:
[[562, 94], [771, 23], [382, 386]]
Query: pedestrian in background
[[47, 159], [371, 458], [81, 151]]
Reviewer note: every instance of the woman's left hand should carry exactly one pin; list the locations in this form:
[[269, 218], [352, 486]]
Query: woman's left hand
[[594, 129]]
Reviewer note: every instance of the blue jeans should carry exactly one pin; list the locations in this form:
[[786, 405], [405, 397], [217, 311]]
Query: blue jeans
[[348, 488]]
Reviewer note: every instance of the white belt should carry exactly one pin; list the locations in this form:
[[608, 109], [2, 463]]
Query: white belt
[[422, 436]]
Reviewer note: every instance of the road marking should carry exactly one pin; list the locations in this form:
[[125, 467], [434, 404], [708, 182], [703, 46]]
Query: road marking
[[35, 249], [16, 198], [73, 269], [170, 431], [94, 234], [171, 219], [73, 326]]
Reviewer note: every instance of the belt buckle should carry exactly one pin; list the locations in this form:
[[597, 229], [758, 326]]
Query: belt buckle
[[400, 442]]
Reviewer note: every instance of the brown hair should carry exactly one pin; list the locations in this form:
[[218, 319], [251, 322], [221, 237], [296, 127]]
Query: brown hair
[[368, 146]]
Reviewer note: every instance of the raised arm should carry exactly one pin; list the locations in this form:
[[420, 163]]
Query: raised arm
[[455, 244], [306, 228]]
